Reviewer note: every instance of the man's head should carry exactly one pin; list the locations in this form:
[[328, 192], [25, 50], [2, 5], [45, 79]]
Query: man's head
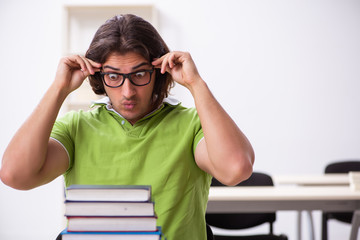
[[124, 34]]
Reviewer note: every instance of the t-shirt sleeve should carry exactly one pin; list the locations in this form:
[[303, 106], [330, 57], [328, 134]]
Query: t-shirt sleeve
[[62, 133], [198, 138], [199, 135]]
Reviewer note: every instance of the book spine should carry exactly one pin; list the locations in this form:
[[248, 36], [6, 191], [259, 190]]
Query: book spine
[[129, 209]]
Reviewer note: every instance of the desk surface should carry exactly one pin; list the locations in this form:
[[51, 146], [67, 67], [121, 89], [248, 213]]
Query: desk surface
[[268, 199], [283, 193], [312, 179]]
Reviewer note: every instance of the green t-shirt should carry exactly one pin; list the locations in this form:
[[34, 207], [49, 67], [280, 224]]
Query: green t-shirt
[[158, 150]]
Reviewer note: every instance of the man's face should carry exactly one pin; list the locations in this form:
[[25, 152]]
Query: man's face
[[132, 102]]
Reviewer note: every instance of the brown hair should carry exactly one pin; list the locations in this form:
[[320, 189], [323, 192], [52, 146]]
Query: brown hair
[[129, 33]]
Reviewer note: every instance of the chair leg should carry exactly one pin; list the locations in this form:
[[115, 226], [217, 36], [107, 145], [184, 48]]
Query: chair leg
[[311, 225], [324, 228], [209, 233], [271, 228], [355, 224]]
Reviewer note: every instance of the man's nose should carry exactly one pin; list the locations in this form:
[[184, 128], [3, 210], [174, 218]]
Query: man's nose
[[128, 88]]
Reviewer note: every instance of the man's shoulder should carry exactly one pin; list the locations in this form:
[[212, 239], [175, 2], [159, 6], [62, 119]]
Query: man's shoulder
[[179, 109], [180, 114], [80, 115]]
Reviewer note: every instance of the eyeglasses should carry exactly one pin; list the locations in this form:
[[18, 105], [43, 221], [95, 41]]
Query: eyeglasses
[[139, 78]]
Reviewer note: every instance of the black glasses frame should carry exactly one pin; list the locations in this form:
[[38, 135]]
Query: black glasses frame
[[128, 76]]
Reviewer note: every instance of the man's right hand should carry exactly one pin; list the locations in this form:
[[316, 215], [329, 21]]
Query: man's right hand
[[72, 71]]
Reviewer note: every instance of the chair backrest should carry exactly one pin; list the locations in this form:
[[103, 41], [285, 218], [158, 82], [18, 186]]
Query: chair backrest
[[343, 166], [243, 220]]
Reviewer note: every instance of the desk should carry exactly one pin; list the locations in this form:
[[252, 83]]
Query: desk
[[286, 198], [333, 179], [328, 179]]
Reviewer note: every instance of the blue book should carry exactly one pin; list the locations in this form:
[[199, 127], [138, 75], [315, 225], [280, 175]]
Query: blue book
[[156, 235], [111, 193]]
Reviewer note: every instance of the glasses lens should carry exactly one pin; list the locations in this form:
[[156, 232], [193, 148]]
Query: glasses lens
[[140, 78], [113, 79]]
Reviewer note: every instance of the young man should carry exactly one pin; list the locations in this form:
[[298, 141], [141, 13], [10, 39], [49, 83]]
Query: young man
[[137, 135]]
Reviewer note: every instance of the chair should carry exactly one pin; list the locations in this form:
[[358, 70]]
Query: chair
[[346, 217], [232, 221], [209, 233]]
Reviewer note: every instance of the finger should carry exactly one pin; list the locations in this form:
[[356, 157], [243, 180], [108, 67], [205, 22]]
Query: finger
[[172, 59], [164, 63], [76, 62], [177, 58], [156, 65], [157, 61], [95, 65], [86, 65], [92, 66], [89, 68]]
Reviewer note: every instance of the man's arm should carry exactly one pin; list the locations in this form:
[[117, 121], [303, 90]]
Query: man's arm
[[31, 158], [225, 152]]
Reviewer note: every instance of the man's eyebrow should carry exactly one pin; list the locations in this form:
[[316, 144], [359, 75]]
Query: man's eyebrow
[[133, 68], [113, 68], [140, 65]]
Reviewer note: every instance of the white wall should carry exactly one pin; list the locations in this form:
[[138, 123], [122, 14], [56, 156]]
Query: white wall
[[288, 72]]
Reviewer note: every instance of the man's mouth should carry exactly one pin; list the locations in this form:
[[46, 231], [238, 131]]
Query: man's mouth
[[129, 105]]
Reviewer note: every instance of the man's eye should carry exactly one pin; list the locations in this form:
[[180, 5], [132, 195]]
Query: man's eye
[[139, 74], [113, 76]]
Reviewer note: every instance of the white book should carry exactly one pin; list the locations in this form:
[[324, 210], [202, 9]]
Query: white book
[[111, 224], [109, 208], [135, 193]]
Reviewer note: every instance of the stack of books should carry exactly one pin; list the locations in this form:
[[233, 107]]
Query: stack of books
[[116, 212]]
